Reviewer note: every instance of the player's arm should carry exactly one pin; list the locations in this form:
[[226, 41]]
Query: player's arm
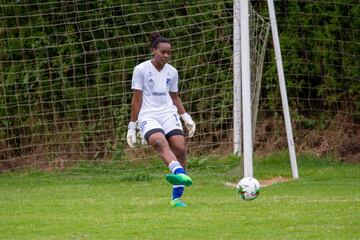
[[189, 123], [136, 104], [135, 109], [136, 101], [177, 102]]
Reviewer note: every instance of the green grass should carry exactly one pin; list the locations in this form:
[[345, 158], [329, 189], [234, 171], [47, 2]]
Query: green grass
[[106, 203]]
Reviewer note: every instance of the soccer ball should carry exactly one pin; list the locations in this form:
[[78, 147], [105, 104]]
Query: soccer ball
[[248, 188]]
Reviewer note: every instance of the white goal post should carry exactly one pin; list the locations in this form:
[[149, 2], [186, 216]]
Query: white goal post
[[284, 98], [242, 85]]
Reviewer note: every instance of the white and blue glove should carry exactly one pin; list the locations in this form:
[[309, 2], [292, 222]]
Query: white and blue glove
[[189, 124], [131, 134], [134, 137]]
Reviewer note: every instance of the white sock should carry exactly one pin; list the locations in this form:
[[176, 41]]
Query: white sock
[[176, 168]]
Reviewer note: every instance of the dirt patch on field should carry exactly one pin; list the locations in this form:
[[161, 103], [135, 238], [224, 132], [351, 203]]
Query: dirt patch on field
[[274, 180], [264, 182]]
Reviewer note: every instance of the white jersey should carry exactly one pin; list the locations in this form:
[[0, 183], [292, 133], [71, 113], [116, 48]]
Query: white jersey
[[155, 86]]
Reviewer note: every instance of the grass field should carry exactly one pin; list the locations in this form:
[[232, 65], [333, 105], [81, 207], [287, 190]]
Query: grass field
[[106, 203]]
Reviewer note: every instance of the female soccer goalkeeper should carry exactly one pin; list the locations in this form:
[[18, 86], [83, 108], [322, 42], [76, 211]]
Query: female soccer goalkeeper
[[156, 109]]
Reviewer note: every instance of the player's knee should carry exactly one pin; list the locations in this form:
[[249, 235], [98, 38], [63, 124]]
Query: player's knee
[[160, 144]]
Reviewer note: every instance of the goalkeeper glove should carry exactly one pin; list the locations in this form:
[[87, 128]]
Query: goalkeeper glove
[[189, 124], [140, 138], [131, 134]]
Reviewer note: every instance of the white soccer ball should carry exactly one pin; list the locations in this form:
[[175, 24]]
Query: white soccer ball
[[248, 188]]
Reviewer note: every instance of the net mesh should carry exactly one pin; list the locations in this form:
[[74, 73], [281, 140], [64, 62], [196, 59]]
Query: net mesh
[[66, 66], [66, 71]]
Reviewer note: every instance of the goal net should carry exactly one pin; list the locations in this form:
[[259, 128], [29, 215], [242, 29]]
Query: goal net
[[66, 70], [66, 66], [259, 33]]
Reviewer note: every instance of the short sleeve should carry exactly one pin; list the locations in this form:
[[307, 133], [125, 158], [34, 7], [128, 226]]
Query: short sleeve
[[137, 79], [175, 82]]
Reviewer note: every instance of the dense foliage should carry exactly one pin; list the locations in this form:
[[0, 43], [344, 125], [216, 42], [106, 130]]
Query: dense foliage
[[65, 66], [320, 45]]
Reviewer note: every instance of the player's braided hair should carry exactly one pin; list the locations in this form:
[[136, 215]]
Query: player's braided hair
[[156, 38]]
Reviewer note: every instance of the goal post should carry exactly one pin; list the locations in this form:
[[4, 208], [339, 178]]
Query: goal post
[[246, 88], [283, 93], [250, 88], [237, 132]]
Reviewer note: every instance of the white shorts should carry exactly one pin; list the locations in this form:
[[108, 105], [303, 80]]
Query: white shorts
[[168, 124]]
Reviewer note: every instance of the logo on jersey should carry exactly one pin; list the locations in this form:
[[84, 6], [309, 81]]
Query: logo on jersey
[[168, 81]]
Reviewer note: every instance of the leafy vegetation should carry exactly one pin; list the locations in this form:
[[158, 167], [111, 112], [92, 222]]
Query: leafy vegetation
[[66, 67]]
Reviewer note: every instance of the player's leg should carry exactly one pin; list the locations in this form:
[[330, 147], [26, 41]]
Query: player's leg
[[154, 134], [158, 141], [178, 177], [177, 145], [175, 137], [173, 130]]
